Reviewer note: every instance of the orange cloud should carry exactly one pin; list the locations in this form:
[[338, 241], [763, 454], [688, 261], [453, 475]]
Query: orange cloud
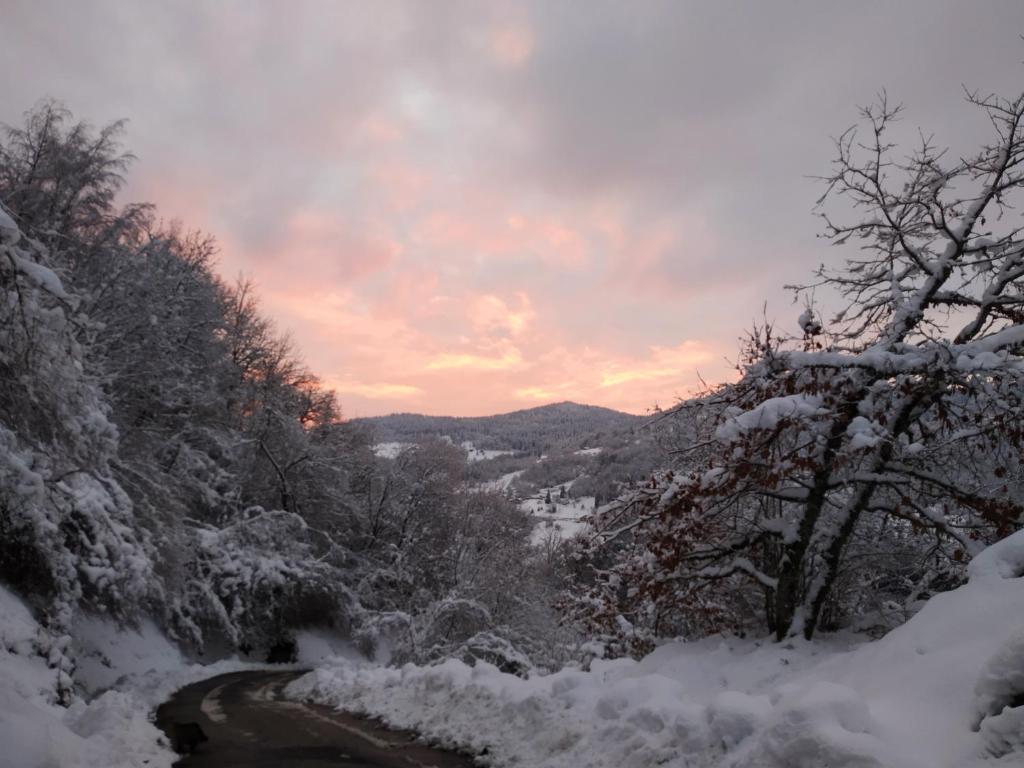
[[662, 363], [411, 284], [374, 391], [509, 358]]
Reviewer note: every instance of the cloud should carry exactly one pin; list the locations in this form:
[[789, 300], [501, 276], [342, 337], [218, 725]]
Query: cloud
[[466, 207], [661, 363], [509, 358], [512, 44], [374, 391], [489, 313], [539, 393]]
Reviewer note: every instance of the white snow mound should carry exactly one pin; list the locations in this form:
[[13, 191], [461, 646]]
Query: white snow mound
[[112, 731]]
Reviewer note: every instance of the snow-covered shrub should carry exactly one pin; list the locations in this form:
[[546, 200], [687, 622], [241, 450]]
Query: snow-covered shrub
[[253, 580], [451, 622], [497, 650]]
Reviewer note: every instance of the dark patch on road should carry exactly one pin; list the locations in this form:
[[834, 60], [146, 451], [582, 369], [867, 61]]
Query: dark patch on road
[[250, 724]]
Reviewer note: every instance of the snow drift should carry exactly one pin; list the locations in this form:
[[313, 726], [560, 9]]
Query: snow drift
[[111, 731]]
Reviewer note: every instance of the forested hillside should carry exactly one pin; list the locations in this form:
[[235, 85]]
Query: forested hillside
[[530, 430]]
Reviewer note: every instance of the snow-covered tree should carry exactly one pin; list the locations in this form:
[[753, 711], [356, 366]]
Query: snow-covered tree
[[67, 529], [167, 386], [255, 579], [898, 420]]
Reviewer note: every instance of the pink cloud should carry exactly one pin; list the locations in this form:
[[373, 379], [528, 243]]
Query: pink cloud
[[661, 363], [491, 233], [512, 45], [387, 309], [489, 313], [323, 243], [411, 281]]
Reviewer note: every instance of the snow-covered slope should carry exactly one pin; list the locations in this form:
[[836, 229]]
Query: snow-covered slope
[[527, 430], [111, 731], [932, 694], [121, 673]]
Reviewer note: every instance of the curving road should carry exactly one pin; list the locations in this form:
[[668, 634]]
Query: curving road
[[250, 723]]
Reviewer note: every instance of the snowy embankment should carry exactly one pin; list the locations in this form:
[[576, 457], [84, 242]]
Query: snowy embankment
[[121, 676], [110, 731], [939, 692]]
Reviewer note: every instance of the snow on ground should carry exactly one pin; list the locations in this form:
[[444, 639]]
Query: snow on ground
[[106, 654], [502, 483], [389, 450], [561, 517], [146, 664], [122, 674], [934, 693], [480, 454], [393, 449], [317, 645], [110, 731], [588, 451]]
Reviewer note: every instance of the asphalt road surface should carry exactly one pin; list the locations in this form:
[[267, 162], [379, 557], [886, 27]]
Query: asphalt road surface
[[250, 724]]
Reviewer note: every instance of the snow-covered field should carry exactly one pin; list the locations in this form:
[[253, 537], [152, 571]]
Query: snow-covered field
[[479, 454], [930, 694], [560, 516], [393, 449], [389, 450], [502, 483]]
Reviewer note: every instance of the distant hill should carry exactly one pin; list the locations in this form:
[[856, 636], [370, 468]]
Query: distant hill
[[533, 429]]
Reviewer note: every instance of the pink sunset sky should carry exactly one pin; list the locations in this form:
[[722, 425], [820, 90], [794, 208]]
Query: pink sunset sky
[[469, 208]]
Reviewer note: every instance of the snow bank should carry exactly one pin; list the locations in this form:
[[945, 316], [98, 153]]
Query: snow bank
[[675, 708], [125, 673], [108, 655], [946, 690], [111, 731], [1003, 560], [314, 646], [143, 664]]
